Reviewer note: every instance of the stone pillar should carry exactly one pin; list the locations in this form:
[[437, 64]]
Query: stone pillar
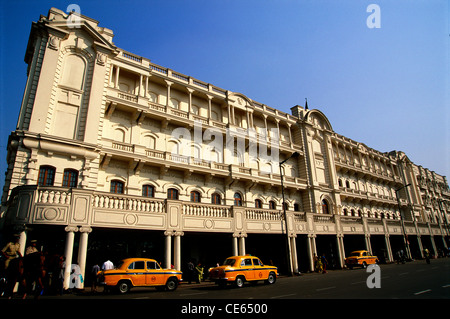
[[242, 245], [177, 250], [294, 260], [168, 251], [68, 252], [389, 248], [235, 245], [22, 241], [340, 248], [82, 251], [311, 250], [368, 245]]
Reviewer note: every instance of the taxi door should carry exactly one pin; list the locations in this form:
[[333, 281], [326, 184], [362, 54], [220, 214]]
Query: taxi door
[[247, 268], [136, 272], [155, 275], [260, 273]]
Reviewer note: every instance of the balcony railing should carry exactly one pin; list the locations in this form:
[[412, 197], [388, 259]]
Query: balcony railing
[[68, 206]]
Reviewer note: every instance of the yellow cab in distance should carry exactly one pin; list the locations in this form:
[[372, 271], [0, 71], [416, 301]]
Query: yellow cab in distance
[[239, 269], [139, 272], [360, 258]]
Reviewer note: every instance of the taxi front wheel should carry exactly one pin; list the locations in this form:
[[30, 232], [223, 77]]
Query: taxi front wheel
[[171, 284], [271, 279]]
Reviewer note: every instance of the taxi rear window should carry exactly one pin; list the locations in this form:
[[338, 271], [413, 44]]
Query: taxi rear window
[[229, 262]]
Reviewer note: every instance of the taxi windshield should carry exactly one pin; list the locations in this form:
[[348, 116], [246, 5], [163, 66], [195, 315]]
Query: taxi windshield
[[355, 254], [229, 262]]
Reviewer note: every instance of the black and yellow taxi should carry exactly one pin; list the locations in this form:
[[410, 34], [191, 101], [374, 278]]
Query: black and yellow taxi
[[360, 258], [240, 269], [139, 272]]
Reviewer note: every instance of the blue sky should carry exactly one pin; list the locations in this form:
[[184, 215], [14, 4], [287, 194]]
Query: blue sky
[[386, 87]]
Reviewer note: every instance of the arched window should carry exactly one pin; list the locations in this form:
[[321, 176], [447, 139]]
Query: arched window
[[325, 207], [296, 207], [117, 187], [237, 199], [216, 199], [70, 178], [272, 205], [46, 176], [148, 191], [258, 203], [195, 197], [347, 184], [172, 193]]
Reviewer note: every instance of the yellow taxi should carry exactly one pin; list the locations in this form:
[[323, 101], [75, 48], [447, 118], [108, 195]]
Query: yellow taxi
[[139, 272], [360, 258], [239, 269]]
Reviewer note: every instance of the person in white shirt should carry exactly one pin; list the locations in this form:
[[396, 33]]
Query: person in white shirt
[[107, 265]]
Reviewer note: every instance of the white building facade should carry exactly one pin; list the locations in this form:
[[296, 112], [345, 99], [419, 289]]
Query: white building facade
[[115, 156]]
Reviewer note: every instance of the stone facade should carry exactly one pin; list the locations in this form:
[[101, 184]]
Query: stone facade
[[108, 140]]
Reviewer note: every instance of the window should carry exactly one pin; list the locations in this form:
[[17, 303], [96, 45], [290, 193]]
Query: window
[[258, 203], [216, 199], [148, 191], [70, 178], [152, 265], [286, 206], [237, 199], [272, 205], [116, 187], [137, 265], [296, 207], [195, 197], [172, 193], [46, 176], [325, 207]]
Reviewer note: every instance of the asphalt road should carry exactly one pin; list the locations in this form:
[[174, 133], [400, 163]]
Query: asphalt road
[[412, 280], [335, 291]]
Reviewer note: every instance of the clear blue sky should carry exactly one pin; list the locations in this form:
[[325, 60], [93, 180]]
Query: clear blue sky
[[386, 87]]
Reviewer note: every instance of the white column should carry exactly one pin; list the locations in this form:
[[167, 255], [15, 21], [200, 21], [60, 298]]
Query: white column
[[168, 253], [242, 246], [368, 245], [340, 247], [68, 252], [22, 242], [82, 251], [177, 250], [388, 248], [235, 246], [311, 251], [294, 261], [116, 80]]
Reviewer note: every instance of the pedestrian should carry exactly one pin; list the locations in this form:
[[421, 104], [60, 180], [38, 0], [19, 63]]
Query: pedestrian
[[427, 255], [199, 270], [190, 272], [32, 248], [324, 264], [11, 250], [94, 271]]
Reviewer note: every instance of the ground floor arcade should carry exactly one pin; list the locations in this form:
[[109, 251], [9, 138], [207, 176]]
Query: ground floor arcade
[[87, 246]]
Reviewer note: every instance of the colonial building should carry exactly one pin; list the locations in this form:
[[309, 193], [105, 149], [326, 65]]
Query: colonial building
[[115, 156]]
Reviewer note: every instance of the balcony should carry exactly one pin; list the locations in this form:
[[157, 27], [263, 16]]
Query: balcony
[[132, 152], [81, 207]]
